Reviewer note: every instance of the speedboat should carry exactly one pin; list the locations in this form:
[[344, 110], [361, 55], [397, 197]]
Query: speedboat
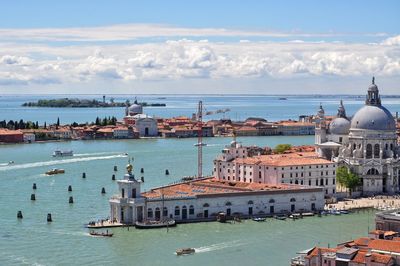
[[59, 153], [10, 162], [200, 144], [185, 251], [344, 212], [55, 171], [259, 219]]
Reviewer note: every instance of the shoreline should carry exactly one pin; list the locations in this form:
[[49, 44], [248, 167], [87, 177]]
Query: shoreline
[[379, 202]]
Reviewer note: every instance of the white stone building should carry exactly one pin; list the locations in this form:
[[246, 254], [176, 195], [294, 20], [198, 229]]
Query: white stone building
[[202, 199], [366, 144], [300, 168], [144, 124]]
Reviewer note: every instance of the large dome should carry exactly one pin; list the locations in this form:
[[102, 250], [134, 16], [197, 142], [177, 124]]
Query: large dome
[[339, 126], [373, 117], [135, 109]]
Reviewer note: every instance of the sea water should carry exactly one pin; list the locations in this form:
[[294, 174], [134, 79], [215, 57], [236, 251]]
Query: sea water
[[65, 241]]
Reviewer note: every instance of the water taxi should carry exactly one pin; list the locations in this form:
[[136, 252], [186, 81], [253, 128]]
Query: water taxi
[[55, 171], [106, 234], [59, 153], [185, 251]]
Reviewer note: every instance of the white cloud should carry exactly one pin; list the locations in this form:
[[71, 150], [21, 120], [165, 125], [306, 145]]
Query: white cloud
[[392, 41], [191, 59]]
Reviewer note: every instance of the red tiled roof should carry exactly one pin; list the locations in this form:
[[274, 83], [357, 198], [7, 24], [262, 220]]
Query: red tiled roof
[[316, 250], [384, 245], [375, 257]]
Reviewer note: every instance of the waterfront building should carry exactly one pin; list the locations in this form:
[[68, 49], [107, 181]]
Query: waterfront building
[[366, 144], [299, 168], [202, 199], [11, 136], [144, 124], [388, 220], [29, 137]]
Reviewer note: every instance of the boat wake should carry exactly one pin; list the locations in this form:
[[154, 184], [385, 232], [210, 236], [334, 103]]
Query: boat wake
[[219, 246], [4, 164], [57, 162], [96, 154]]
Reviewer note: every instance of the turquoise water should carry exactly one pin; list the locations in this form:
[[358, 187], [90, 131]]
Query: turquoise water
[[242, 106], [32, 241]]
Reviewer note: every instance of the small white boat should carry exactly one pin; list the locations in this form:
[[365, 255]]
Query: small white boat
[[59, 153], [11, 162], [259, 219], [155, 224]]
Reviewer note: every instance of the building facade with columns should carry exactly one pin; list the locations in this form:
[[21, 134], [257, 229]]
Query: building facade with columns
[[366, 143], [202, 199]]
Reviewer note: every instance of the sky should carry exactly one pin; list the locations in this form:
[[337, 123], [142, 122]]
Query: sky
[[222, 47]]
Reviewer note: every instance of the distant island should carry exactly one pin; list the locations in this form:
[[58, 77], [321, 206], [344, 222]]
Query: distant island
[[84, 103]]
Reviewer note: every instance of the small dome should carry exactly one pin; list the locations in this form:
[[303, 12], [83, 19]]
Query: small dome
[[371, 117], [135, 109], [373, 86], [339, 126]]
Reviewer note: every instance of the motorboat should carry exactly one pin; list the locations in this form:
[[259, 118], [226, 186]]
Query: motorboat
[[55, 171], [187, 178], [280, 217], [185, 251], [11, 162], [221, 217], [344, 212], [155, 224], [106, 234], [200, 144], [259, 219], [60, 153]]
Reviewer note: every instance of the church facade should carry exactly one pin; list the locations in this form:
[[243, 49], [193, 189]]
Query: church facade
[[366, 143]]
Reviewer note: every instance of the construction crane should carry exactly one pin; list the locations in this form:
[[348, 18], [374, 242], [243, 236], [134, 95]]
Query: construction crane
[[200, 143]]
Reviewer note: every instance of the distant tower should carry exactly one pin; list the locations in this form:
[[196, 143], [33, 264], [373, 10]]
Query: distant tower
[[341, 111], [104, 99], [320, 128]]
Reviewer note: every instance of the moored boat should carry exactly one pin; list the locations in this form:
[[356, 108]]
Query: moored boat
[[185, 251], [280, 217], [155, 224], [259, 219], [55, 171]]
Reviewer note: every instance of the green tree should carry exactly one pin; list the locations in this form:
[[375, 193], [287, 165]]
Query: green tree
[[281, 148], [347, 179], [58, 121]]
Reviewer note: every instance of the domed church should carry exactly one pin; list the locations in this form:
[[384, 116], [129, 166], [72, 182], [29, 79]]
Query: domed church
[[366, 143]]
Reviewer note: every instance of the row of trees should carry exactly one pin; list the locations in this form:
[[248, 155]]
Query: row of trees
[[106, 121], [21, 124]]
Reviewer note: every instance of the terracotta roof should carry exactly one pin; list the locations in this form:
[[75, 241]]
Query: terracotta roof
[[384, 245], [10, 132], [291, 159], [360, 257], [316, 250], [212, 186]]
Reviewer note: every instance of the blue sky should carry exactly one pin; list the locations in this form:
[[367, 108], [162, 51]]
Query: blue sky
[[215, 46]]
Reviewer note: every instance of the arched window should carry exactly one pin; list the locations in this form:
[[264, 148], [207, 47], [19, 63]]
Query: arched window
[[369, 151], [373, 171], [271, 201], [376, 151], [191, 210], [296, 182], [228, 203], [177, 211], [250, 202], [292, 200], [150, 213], [206, 205], [157, 213], [165, 212]]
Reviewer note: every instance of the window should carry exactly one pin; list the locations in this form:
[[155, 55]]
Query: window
[[259, 174], [177, 211], [283, 168], [309, 173], [150, 213], [333, 181], [165, 212], [250, 202], [191, 210], [291, 175], [301, 174], [327, 173], [334, 172], [309, 182], [206, 205], [292, 200], [376, 151], [322, 173], [369, 151], [297, 175], [271, 201]]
